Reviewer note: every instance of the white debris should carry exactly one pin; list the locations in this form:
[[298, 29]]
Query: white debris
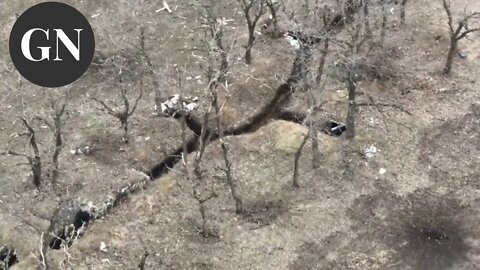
[[82, 150], [188, 104], [372, 121], [224, 21], [103, 247], [382, 171], [293, 42], [370, 151], [170, 103]]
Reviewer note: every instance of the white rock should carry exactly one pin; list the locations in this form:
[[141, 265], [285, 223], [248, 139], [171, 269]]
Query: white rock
[[293, 42], [103, 247], [382, 171], [191, 106], [370, 151]]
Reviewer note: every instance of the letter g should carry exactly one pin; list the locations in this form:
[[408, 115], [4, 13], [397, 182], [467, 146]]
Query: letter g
[[26, 46]]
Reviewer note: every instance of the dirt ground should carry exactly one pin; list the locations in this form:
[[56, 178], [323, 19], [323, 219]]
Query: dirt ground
[[411, 203]]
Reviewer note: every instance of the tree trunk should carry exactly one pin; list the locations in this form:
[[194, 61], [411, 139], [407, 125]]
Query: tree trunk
[[36, 164], [315, 148], [352, 107], [125, 131], [451, 54], [402, 11], [383, 31], [366, 14], [205, 231], [273, 12], [238, 199], [298, 154], [56, 153], [303, 56], [223, 53], [251, 39], [323, 59], [230, 181], [141, 265]]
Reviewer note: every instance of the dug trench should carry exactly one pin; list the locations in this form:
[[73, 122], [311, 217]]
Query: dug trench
[[273, 110], [63, 233]]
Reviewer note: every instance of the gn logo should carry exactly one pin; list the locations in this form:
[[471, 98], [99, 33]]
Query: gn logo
[[52, 44], [61, 36]]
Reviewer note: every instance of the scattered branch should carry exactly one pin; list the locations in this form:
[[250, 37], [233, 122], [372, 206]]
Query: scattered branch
[[165, 7]]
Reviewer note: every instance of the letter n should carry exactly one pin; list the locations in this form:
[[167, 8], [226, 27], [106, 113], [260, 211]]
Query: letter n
[[75, 51]]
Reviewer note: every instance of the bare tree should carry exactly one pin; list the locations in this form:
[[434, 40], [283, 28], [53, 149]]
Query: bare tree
[[298, 155], [216, 30], [57, 111], [312, 97], [325, 49], [357, 38], [125, 112], [274, 18], [146, 253], [215, 76], [457, 33], [383, 30], [151, 68], [33, 157], [203, 191], [352, 107], [366, 16], [231, 182], [253, 10]]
